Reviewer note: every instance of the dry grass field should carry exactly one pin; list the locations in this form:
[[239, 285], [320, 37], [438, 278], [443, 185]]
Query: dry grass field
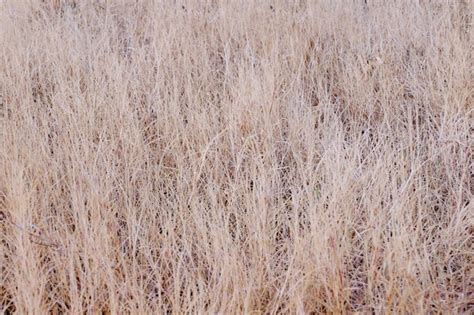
[[236, 157]]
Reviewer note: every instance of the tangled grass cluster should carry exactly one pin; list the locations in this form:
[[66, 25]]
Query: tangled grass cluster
[[236, 156]]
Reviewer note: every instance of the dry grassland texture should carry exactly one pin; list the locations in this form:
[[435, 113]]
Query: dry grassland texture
[[236, 157]]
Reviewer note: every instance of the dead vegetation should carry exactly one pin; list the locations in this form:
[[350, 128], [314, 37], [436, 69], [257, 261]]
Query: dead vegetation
[[236, 156]]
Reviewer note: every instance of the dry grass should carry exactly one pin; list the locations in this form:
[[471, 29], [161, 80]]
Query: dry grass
[[236, 156]]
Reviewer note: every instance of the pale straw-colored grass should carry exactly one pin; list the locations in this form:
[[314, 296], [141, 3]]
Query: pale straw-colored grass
[[236, 156]]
